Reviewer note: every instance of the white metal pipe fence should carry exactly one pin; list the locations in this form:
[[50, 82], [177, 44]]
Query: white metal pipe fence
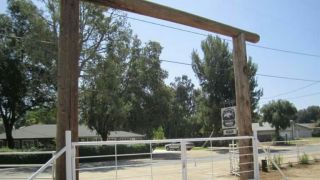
[[186, 160], [5, 166], [205, 162], [291, 151]]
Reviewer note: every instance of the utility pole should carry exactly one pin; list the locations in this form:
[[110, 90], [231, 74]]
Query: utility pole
[[243, 106], [68, 72]]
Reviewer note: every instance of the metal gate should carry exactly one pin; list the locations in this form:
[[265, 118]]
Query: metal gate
[[187, 162]]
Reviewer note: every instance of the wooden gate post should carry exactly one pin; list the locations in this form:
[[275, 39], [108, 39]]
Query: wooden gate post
[[68, 72], [243, 106]]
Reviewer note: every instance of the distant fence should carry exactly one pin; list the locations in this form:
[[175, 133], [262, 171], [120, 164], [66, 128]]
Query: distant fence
[[10, 160], [292, 152]]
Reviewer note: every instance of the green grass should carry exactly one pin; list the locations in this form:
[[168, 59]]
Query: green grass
[[160, 148], [304, 159], [194, 148], [311, 140], [5, 149], [199, 148]]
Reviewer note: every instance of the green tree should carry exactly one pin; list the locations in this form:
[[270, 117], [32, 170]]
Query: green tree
[[158, 133], [102, 103], [278, 114], [1, 126], [216, 76], [25, 81], [41, 115], [101, 34], [308, 115], [145, 89], [182, 106], [103, 66]]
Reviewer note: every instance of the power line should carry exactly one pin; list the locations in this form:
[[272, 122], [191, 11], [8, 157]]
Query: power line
[[285, 51], [203, 34], [292, 91], [175, 62], [258, 74], [288, 78], [166, 26], [264, 75], [298, 97], [314, 82], [188, 64], [303, 96], [17, 37]]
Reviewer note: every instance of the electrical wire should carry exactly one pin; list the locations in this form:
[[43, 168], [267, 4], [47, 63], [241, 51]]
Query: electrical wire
[[297, 97], [288, 78], [314, 82], [188, 64], [292, 91], [17, 37], [303, 96], [203, 34], [258, 74]]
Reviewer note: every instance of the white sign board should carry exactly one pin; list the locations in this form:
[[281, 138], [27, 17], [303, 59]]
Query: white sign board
[[227, 132], [228, 117]]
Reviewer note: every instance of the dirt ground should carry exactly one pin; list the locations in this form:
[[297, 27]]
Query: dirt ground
[[203, 171], [297, 172]]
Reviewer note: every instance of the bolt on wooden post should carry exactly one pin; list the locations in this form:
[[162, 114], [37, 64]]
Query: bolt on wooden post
[[243, 106]]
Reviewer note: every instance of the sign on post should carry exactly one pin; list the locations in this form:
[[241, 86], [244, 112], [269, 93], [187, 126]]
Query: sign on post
[[229, 123]]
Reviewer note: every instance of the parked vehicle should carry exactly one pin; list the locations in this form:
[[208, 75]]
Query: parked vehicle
[[177, 146]]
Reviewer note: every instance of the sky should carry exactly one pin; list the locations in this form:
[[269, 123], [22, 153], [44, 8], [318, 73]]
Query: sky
[[287, 24]]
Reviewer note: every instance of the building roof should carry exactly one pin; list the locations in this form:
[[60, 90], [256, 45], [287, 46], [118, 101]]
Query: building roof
[[307, 125], [262, 127], [42, 131]]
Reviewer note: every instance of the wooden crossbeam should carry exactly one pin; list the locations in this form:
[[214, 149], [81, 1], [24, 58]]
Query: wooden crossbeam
[[151, 9]]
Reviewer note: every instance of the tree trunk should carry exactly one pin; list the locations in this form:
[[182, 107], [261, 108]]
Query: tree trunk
[[277, 133], [10, 140]]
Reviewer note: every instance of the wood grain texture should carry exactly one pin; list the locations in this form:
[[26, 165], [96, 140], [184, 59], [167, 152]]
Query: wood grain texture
[[166, 13], [68, 73], [243, 105]]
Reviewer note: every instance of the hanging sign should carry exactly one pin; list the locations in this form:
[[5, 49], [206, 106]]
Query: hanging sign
[[228, 117]]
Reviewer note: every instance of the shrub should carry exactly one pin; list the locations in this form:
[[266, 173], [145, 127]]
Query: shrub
[[5, 149], [277, 159], [110, 150], [83, 151], [304, 159], [25, 158], [316, 133]]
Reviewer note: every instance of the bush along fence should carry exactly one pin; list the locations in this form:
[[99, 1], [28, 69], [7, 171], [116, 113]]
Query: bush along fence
[[42, 157]]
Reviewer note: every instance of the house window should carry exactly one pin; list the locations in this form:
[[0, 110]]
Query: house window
[[27, 144], [17, 144]]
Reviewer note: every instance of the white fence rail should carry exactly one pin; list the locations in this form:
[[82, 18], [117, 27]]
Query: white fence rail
[[185, 166], [220, 159], [291, 151], [21, 165]]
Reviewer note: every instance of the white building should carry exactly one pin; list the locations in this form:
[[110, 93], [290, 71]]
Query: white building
[[266, 132]]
